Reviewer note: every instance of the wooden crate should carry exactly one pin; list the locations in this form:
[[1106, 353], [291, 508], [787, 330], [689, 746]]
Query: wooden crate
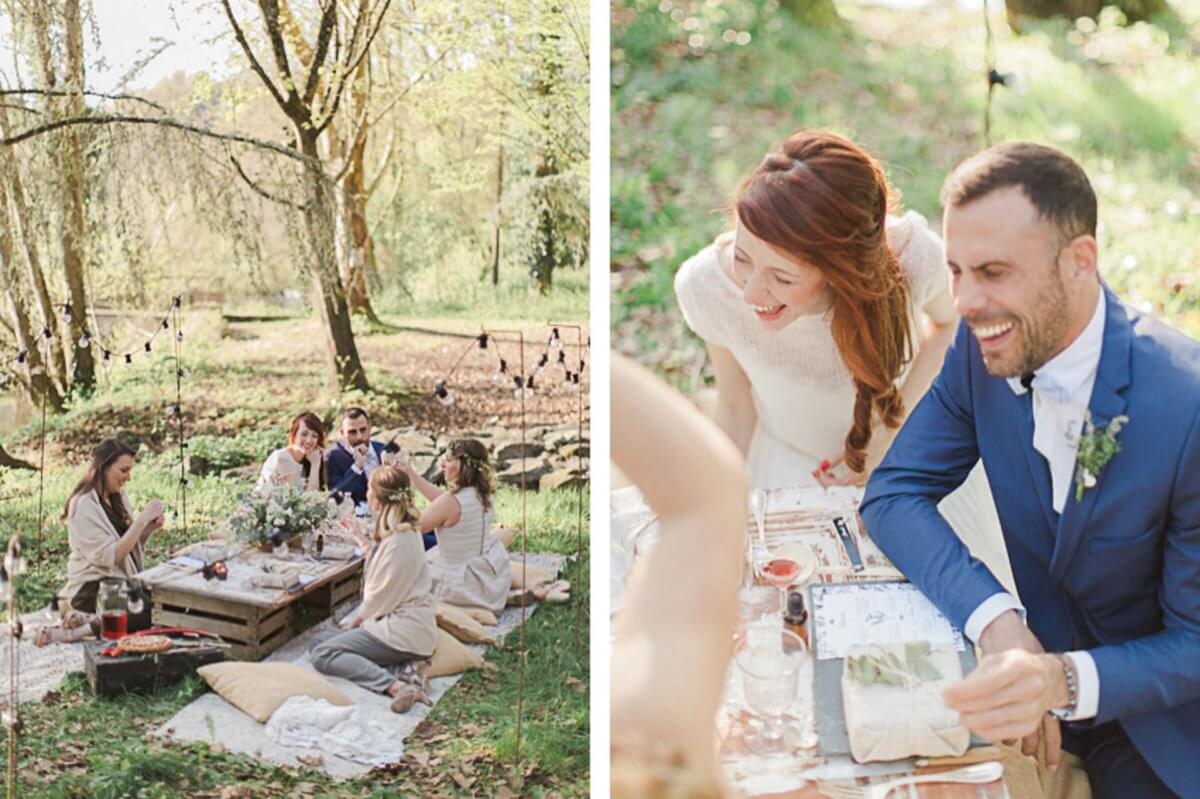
[[333, 593], [112, 676], [254, 631]]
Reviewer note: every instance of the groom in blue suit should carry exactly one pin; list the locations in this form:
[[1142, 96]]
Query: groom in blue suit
[[1086, 415]]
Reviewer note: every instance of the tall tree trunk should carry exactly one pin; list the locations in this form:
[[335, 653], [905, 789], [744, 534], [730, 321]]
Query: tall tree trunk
[[29, 337], [355, 250], [499, 216], [549, 72], [74, 231], [319, 223], [24, 230], [360, 249]]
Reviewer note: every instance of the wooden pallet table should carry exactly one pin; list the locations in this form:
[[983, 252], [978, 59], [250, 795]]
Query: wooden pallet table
[[254, 620], [113, 676]]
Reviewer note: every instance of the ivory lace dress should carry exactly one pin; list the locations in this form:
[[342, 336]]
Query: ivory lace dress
[[803, 393]]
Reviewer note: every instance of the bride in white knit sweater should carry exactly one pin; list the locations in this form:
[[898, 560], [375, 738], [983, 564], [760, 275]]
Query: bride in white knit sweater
[[826, 320]]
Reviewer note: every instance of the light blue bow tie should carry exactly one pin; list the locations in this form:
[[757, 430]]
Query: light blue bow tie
[[1050, 388]]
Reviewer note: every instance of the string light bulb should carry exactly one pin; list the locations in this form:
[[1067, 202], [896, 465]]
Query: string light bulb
[[443, 395], [128, 359], [46, 334], [22, 356], [501, 375], [67, 311], [166, 325], [85, 340], [147, 346], [555, 340]]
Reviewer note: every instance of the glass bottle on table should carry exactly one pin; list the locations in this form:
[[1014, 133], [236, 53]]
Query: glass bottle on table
[[111, 606]]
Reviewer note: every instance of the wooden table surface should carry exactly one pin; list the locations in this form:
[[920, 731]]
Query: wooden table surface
[[242, 566]]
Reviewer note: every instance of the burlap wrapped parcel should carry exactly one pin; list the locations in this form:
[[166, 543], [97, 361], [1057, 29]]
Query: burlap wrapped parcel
[[892, 696]]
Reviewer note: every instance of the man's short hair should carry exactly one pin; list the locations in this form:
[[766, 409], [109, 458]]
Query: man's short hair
[[1055, 184], [355, 412]]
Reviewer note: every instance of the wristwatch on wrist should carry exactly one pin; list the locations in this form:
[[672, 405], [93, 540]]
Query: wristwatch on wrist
[[1072, 689]]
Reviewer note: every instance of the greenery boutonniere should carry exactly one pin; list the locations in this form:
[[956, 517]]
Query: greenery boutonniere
[[1096, 448]]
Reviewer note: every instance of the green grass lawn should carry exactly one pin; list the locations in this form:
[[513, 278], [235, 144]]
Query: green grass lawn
[[243, 385], [702, 90]]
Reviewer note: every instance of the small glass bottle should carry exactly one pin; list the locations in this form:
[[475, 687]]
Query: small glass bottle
[[796, 616]]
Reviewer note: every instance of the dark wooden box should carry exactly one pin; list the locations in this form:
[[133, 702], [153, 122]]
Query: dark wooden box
[[112, 676]]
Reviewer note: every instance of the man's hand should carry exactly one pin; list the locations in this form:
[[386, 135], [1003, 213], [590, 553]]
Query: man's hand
[[1008, 634], [1009, 696], [360, 456]]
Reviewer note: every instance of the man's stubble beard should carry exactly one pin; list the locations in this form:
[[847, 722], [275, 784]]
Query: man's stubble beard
[[1041, 331]]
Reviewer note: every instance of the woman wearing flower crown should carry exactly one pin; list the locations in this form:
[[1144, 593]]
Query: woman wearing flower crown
[[470, 565], [396, 622]]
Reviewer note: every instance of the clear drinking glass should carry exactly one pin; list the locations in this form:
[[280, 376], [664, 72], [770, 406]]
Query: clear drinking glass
[[770, 669]]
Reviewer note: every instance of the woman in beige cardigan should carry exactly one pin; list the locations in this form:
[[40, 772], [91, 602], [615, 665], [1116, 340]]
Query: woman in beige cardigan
[[106, 540], [396, 623]]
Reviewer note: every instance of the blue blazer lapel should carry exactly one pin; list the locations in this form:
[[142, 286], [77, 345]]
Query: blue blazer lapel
[[1039, 470], [1107, 401]]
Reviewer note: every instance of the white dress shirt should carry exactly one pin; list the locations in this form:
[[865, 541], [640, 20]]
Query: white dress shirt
[[1061, 391]]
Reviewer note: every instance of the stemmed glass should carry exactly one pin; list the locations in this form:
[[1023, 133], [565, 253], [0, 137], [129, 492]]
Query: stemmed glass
[[770, 668]]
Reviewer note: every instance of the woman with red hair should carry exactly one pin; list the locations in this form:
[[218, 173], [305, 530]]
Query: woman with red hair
[[826, 318], [302, 462]]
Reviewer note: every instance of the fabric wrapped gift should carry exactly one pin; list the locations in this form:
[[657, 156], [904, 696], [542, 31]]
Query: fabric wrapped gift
[[892, 696]]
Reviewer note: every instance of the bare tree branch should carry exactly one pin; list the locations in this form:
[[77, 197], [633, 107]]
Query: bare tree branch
[[56, 93], [263, 192], [110, 119], [352, 66], [254, 64], [270, 14], [328, 25], [388, 152]]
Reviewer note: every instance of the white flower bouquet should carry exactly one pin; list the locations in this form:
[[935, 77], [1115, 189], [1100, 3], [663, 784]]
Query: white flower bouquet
[[277, 513]]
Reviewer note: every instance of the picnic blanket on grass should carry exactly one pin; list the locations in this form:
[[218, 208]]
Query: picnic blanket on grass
[[211, 719]]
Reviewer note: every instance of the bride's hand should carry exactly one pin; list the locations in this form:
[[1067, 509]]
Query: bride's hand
[[834, 472]]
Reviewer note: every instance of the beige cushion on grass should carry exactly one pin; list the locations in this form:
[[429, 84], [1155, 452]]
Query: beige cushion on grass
[[533, 575], [481, 615], [452, 657], [258, 689], [458, 622]]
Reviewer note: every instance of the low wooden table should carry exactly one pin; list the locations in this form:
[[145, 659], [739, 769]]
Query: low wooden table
[[256, 621], [113, 676]]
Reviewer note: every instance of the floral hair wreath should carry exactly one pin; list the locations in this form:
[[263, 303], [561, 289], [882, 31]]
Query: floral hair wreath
[[480, 466], [399, 495]]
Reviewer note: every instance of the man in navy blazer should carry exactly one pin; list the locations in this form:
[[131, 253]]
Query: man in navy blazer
[[349, 463], [1105, 551]]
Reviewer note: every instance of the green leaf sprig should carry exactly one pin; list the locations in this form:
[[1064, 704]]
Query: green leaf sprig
[[886, 668], [1096, 448]]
